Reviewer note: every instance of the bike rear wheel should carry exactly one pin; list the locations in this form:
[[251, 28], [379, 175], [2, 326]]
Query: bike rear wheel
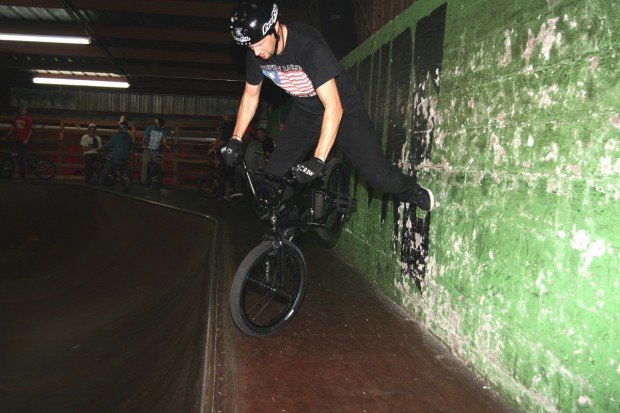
[[7, 168], [336, 180], [45, 169], [268, 288], [209, 183]]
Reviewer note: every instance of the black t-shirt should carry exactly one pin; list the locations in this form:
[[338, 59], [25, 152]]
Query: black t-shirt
[[305, 64]]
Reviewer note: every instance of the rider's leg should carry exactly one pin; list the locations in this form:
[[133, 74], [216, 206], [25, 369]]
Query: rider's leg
[[107, 168], [123, 170], [300, 135], [298, 138], [358, 140], [146, 159], [89, 160]]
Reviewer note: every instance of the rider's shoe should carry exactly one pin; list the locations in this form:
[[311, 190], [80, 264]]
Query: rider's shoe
[[233, 195], [423, 198]]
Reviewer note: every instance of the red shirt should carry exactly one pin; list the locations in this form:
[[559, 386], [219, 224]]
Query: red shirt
[[22, 125]]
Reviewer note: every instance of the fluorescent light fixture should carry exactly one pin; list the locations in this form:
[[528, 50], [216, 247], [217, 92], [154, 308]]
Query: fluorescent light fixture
[[13, 37], [79, 82]]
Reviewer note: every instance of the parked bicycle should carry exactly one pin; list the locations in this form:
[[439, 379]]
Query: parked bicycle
[[42, 168], [270, 283]]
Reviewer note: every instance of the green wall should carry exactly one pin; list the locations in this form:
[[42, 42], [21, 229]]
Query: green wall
[[522, 273]]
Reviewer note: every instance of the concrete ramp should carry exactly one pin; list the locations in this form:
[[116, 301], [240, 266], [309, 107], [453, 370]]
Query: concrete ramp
[[104, 302]]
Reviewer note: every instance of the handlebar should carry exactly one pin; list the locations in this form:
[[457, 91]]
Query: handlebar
[[288, 177]]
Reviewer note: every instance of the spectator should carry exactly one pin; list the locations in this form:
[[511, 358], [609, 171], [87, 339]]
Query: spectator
[[226, 130], [258, 149], [120, 144], [22, 126], [154, 138], [282, 125], [90, 143], [266, 143]]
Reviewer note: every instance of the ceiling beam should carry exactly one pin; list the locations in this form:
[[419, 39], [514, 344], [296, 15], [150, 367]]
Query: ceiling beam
[[142, 70], [49, 4], [117, 53], [171, 55], [221, 10], [49, 63], [123, 32], [164, 34], [168, 7], [133, 67], [183, 86], [51, 49], [42, 27]]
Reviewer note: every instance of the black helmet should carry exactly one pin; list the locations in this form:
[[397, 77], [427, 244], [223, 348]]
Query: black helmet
[[251, 21]]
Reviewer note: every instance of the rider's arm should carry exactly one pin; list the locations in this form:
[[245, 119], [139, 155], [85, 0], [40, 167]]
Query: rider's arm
[[247, 109], [328, 94], [109, 144]]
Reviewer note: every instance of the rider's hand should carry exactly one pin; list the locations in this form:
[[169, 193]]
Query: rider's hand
[[232, 151], [309, 170]]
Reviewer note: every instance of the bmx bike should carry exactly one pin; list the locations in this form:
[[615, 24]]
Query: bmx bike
[[270, 283], [117, 172], [42, 168], [154, 171]]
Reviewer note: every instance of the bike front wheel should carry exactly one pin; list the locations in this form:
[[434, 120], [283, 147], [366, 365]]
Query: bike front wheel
[[7, 168], [268, 288], [45, 169]]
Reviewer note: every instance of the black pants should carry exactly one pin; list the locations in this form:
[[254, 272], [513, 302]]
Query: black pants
[[357, 139], [89, 166]]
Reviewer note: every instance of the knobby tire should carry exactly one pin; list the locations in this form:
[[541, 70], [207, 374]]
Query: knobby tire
[[268, 288]]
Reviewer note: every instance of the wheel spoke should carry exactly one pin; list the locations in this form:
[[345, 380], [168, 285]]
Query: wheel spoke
[[266, 298]]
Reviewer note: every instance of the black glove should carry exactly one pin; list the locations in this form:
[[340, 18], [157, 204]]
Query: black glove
[[309, 170], [232, 152]]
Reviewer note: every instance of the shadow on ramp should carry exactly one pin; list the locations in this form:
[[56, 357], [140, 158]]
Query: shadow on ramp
[[104, 302]]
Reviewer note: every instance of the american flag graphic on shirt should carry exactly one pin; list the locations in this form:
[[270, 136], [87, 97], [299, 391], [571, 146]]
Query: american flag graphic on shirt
[[294, 82]]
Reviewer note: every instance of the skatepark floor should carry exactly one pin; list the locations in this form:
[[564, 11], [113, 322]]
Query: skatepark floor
[[111, 302]]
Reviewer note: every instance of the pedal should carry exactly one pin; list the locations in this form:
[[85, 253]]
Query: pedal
[[345, 203]]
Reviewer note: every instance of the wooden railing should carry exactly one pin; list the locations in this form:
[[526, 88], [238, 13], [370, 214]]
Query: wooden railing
[[59, 140]]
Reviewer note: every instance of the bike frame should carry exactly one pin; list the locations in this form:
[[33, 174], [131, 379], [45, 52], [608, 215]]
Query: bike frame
[[277, 208]]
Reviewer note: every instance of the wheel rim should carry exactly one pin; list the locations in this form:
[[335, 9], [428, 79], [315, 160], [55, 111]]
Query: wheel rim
[[271, 289], [6, 168], [45, 170]]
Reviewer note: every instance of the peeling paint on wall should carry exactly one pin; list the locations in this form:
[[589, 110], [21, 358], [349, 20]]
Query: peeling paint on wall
[[518, 271]]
